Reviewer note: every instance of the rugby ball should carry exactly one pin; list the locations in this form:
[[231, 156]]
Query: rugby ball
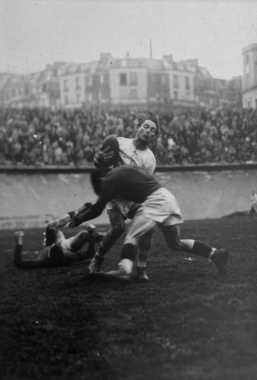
[[110, 144]]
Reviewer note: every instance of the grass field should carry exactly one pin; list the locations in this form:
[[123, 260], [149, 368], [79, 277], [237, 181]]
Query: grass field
[[186, 323]]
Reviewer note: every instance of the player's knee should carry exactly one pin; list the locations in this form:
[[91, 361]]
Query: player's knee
[[175, 245], [83, 234], [118, 229]]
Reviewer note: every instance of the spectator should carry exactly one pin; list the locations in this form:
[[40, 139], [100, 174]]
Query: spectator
[[71, 137]]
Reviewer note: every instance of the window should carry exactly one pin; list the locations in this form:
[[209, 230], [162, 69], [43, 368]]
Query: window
[[133, 63], [187, 83], [247, 59], [175, 94], [175, 81], [247, 80], [77, 84], [133, 93], [66, 100], [102, 78], [133, 79], [65, 85], [78, 98], [123, 79], [256, 103]]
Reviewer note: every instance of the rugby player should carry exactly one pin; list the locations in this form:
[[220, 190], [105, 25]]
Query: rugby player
[[58, 250], [136, 152], [158, 206], [253, 209]]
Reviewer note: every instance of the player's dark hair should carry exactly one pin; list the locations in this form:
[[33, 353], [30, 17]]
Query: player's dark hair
[[56, 255], [96, 178], [50, 235], [149, 116]]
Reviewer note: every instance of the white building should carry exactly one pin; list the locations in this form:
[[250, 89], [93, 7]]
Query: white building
[[250, 76]]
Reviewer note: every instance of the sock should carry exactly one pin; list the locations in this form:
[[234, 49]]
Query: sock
[[212, 252], [201, 249], [100, 253], [98, 257], [17, 252]]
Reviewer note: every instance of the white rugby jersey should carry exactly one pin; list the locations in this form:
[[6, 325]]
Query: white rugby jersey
[[129, 155]]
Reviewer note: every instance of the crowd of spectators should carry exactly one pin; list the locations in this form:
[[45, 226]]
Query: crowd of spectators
[[71, 137]]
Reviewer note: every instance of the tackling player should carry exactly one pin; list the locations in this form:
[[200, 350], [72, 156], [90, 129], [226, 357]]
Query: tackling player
[[131, 152], [158, 206], [59, 251]]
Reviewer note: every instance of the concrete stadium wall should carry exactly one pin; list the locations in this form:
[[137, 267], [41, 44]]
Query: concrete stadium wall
[[32, 199]]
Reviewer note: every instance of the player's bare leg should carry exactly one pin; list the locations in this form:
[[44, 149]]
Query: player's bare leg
[[117, 229], [218, 256], [77, 242], [83, 237]]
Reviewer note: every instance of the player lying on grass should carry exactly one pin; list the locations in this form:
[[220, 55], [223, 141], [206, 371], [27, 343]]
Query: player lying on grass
[[59, 251], [158, 206], [135, 152]]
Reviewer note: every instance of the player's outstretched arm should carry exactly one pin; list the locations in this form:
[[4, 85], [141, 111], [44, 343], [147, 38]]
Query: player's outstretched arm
[[61, 222], [91, 213]]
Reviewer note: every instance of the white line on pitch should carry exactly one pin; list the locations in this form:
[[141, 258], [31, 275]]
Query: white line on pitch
[[34, 193]]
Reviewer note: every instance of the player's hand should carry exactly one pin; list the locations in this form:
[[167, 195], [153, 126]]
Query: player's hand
[[104, 156], [75, 221]]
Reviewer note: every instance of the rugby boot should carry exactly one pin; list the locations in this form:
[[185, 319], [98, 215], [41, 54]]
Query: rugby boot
[[95, 265], [19, 237], [141, 275], [120, 276], [220, 259], [91, 229]]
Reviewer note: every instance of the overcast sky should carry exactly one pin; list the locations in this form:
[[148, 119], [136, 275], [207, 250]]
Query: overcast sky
[[34, 33]]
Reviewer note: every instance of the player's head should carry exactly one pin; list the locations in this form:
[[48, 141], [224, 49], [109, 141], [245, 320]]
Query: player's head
[[148, 127], [96, 181], [50, 235], [56, 255]]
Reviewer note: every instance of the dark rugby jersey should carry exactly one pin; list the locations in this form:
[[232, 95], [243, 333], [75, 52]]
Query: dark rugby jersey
[[129, 182]]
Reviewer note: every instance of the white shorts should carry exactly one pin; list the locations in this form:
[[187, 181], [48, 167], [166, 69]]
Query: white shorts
[[162, 207], [66, 245], [121, 204]]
